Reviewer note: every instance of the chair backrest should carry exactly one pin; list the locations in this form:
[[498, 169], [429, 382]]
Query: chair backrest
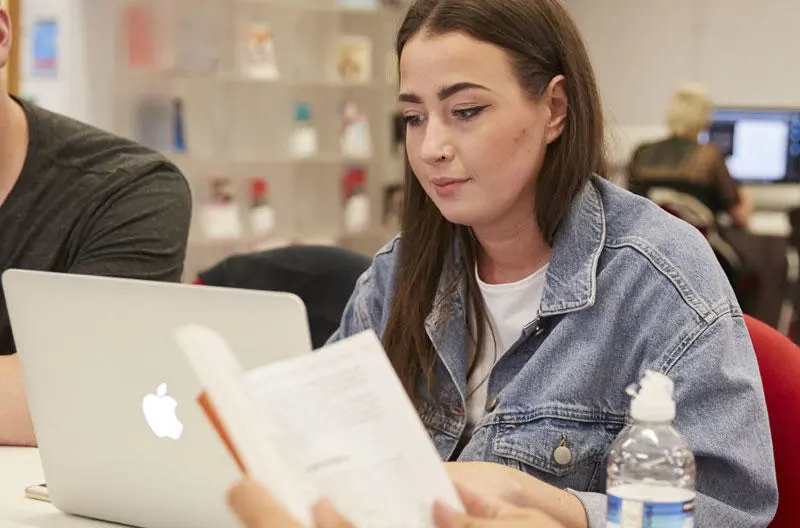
[[779, 363], [684, 206], [693, 211], [322, 276]]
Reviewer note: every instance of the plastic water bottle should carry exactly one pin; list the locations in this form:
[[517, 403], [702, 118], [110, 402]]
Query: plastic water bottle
[[651, 469]]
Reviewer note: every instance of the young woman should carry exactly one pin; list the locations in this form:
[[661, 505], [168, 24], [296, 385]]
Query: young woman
[[526, 292], [680, 161]]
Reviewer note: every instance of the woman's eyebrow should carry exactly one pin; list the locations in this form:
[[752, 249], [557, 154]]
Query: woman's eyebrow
[[444, 93]]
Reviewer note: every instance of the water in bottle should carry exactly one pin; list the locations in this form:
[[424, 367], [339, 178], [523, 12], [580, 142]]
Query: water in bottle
[[651, 469]]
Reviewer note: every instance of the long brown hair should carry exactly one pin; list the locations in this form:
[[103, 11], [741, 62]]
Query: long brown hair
[[542, 42]]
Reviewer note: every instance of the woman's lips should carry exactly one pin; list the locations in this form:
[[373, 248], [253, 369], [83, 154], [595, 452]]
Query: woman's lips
[[447, 187]]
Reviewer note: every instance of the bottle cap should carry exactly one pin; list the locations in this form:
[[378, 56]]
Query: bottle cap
[[653, 402], [302, 113]]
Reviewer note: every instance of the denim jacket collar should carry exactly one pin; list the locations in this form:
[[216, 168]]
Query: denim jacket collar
[[571, 283], [572, 274]]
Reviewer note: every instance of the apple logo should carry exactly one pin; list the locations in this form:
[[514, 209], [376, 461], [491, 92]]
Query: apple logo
[[159, 412]]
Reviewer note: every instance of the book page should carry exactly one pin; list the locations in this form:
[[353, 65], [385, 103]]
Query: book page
[[356, 432], [257, 441]]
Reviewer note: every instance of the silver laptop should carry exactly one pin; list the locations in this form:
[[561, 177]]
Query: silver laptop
[[120, 435]]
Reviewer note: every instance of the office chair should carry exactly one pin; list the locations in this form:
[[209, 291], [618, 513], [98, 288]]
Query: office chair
[[779, 364], [322, 276], [691, 210]]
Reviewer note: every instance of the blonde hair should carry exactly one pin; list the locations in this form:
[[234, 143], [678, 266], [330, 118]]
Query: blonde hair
[[688, 110]]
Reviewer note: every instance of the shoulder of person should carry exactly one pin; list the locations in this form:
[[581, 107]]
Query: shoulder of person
[[646, 148], [381, 273], [710, 153], [71, 144], [661, 247]]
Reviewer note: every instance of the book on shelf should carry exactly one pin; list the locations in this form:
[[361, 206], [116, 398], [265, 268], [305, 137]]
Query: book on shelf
[[258, 57], [197, 41], [160, 123], [139, 33], [354, 59], [336, 423]]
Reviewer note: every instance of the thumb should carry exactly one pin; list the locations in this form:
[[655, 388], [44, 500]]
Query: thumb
[[326, 516], [256, 508], [444, 516], [476, 505]]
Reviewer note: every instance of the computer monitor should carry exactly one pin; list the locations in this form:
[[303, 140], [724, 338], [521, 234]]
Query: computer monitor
[[760, 145]]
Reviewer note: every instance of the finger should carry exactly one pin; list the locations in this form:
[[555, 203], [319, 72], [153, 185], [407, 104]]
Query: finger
[[256, 508], [444, 516], [326, 516], [476, 505]]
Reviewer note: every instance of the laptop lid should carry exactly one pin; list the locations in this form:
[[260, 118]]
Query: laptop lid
[[113, 399]]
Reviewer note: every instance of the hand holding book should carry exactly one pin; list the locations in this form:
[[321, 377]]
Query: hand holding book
[[335, 423]]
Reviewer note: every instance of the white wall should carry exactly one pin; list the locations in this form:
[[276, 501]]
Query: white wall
[[745, 51], [83, 88]]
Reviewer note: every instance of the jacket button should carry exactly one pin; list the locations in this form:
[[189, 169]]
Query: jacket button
[[562, 455], [492, 403]]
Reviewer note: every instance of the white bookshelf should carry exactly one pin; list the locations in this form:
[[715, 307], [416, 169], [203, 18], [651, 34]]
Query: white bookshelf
[[237, 127]]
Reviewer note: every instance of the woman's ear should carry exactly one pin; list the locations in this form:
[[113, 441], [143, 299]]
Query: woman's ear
[[558, 106]]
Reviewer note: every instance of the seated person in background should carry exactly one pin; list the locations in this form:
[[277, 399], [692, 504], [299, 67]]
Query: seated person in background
[[683, 164], [257, 509], [77, 200], [526, 292], [680, 163]]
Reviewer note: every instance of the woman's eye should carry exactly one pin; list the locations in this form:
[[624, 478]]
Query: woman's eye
[[465, 114], [412, 120]]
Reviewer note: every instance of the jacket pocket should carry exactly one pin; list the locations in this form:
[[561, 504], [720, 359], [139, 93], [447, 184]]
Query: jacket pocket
[[563, 448]]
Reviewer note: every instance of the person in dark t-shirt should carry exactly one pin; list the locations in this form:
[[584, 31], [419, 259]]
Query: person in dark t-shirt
[[74, 199]]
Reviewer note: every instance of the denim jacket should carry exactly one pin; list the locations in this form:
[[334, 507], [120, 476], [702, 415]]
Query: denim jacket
[[629, 288]]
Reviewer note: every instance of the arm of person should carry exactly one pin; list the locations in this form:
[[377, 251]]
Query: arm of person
[[722, 413], [501, 484], [140, 234], [16, 428], [735, 198], [741, 212], [482, 512], [256, 508], [365, 309]]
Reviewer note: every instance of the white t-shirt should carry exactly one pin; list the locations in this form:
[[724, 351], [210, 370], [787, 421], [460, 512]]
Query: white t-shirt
[[510, 308]]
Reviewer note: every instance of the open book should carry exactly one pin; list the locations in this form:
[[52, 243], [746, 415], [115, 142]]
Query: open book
[[336, 423]]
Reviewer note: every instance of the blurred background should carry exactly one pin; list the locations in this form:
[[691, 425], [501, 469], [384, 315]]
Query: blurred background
[[281, 113]]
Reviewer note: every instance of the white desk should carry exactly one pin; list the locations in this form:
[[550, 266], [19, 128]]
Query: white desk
[[770, 223], [19, 468]]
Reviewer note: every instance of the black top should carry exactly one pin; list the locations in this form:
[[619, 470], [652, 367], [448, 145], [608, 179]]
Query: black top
[[91, 203], [685, 166], [323, 277]]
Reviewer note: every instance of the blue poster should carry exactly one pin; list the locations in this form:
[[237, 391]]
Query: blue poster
[[45, 48]]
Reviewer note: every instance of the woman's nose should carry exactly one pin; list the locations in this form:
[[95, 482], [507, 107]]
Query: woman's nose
[[435, 145]]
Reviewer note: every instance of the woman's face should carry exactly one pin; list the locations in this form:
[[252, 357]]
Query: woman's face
[[475, 139]]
